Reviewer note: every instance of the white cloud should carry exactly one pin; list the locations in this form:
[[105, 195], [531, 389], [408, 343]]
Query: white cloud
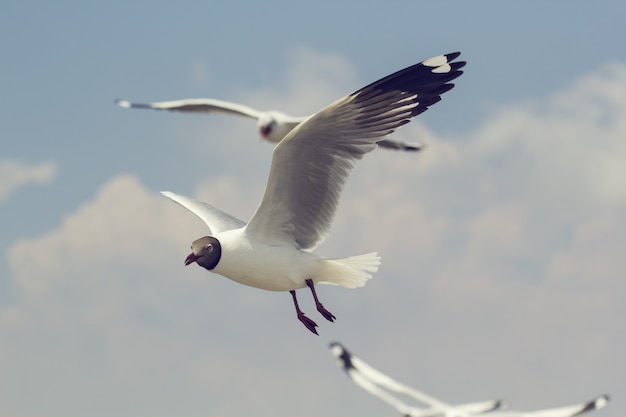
[[572, 135], [501, 276], [313, 80], [14, 174], [124, 222]]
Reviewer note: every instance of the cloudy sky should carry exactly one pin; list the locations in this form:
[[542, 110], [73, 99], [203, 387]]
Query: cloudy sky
[[502, 244]]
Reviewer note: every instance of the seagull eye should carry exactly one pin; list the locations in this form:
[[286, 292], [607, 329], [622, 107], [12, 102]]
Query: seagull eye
[[209, 247]]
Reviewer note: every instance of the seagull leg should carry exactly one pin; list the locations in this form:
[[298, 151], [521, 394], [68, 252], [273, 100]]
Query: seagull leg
[[310, 324], [327, 314]]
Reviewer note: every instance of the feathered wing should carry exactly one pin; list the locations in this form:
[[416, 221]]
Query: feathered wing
[[567, 411], [482, 407], [195, 105], [402, 407], [345, 360], [285, 122], [358, 366], [376, 383], [311, 164], [215, 219]]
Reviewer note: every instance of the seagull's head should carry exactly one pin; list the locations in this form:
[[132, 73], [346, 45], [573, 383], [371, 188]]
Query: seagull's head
[[343, 356], [267, 124], [206, 252]]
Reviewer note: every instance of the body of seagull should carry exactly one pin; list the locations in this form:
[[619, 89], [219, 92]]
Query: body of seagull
[[273, 125], [380, 385], [308, 172]]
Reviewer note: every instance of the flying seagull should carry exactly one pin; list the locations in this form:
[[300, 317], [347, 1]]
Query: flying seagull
[[378, 384], [273, 125], [309, 169]]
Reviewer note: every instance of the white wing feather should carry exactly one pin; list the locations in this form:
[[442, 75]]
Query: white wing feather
[[356, 367], [311, 164], [215, 219], [567, 411], [284, 123], [195, 105]]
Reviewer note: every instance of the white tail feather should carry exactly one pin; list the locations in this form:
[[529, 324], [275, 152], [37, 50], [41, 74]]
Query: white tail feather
[[350, 272]]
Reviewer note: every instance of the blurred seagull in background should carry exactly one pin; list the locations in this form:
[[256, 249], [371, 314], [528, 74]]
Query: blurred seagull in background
[[309, 169], [378, 384], [273, 125]]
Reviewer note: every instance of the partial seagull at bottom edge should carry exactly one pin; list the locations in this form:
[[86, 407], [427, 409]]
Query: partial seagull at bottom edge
[[379, 385]]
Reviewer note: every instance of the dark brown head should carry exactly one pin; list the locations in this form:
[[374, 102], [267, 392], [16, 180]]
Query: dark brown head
[[206, 252], [265, 130]]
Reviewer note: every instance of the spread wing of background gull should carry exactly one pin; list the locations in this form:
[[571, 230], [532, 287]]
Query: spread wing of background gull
[[378, 384], [273, 125], [309, 169], [567, 411]]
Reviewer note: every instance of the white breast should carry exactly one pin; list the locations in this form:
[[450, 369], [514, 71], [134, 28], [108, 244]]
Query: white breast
[[256, 264]]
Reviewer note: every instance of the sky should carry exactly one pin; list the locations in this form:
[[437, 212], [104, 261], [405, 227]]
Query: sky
[[502, 243]]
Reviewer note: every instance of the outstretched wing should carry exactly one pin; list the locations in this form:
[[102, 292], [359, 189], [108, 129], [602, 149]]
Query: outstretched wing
[[216, 219], [377, 384], [567, 411], [195, 105], [354, 365], [311, 164], [482, 407], [346, 360]]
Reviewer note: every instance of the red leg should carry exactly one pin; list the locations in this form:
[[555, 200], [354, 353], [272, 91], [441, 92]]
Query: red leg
[[310, 324], [327, 314]]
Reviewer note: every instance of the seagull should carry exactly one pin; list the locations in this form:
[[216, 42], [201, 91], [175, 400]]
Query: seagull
[[309, 169], [378, 384], [273, 125]]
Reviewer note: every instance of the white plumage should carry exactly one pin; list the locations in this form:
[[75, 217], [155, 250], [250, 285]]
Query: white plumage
[[380, 385], [309, 169], [272, 125]]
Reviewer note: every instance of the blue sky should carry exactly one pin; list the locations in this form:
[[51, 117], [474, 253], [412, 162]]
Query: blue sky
[[502, 243]]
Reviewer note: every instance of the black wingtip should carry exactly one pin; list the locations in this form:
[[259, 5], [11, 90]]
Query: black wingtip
[[499, 404], [428, 80], [130, 105], [452, 56], [594, 404], [599, 402]]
